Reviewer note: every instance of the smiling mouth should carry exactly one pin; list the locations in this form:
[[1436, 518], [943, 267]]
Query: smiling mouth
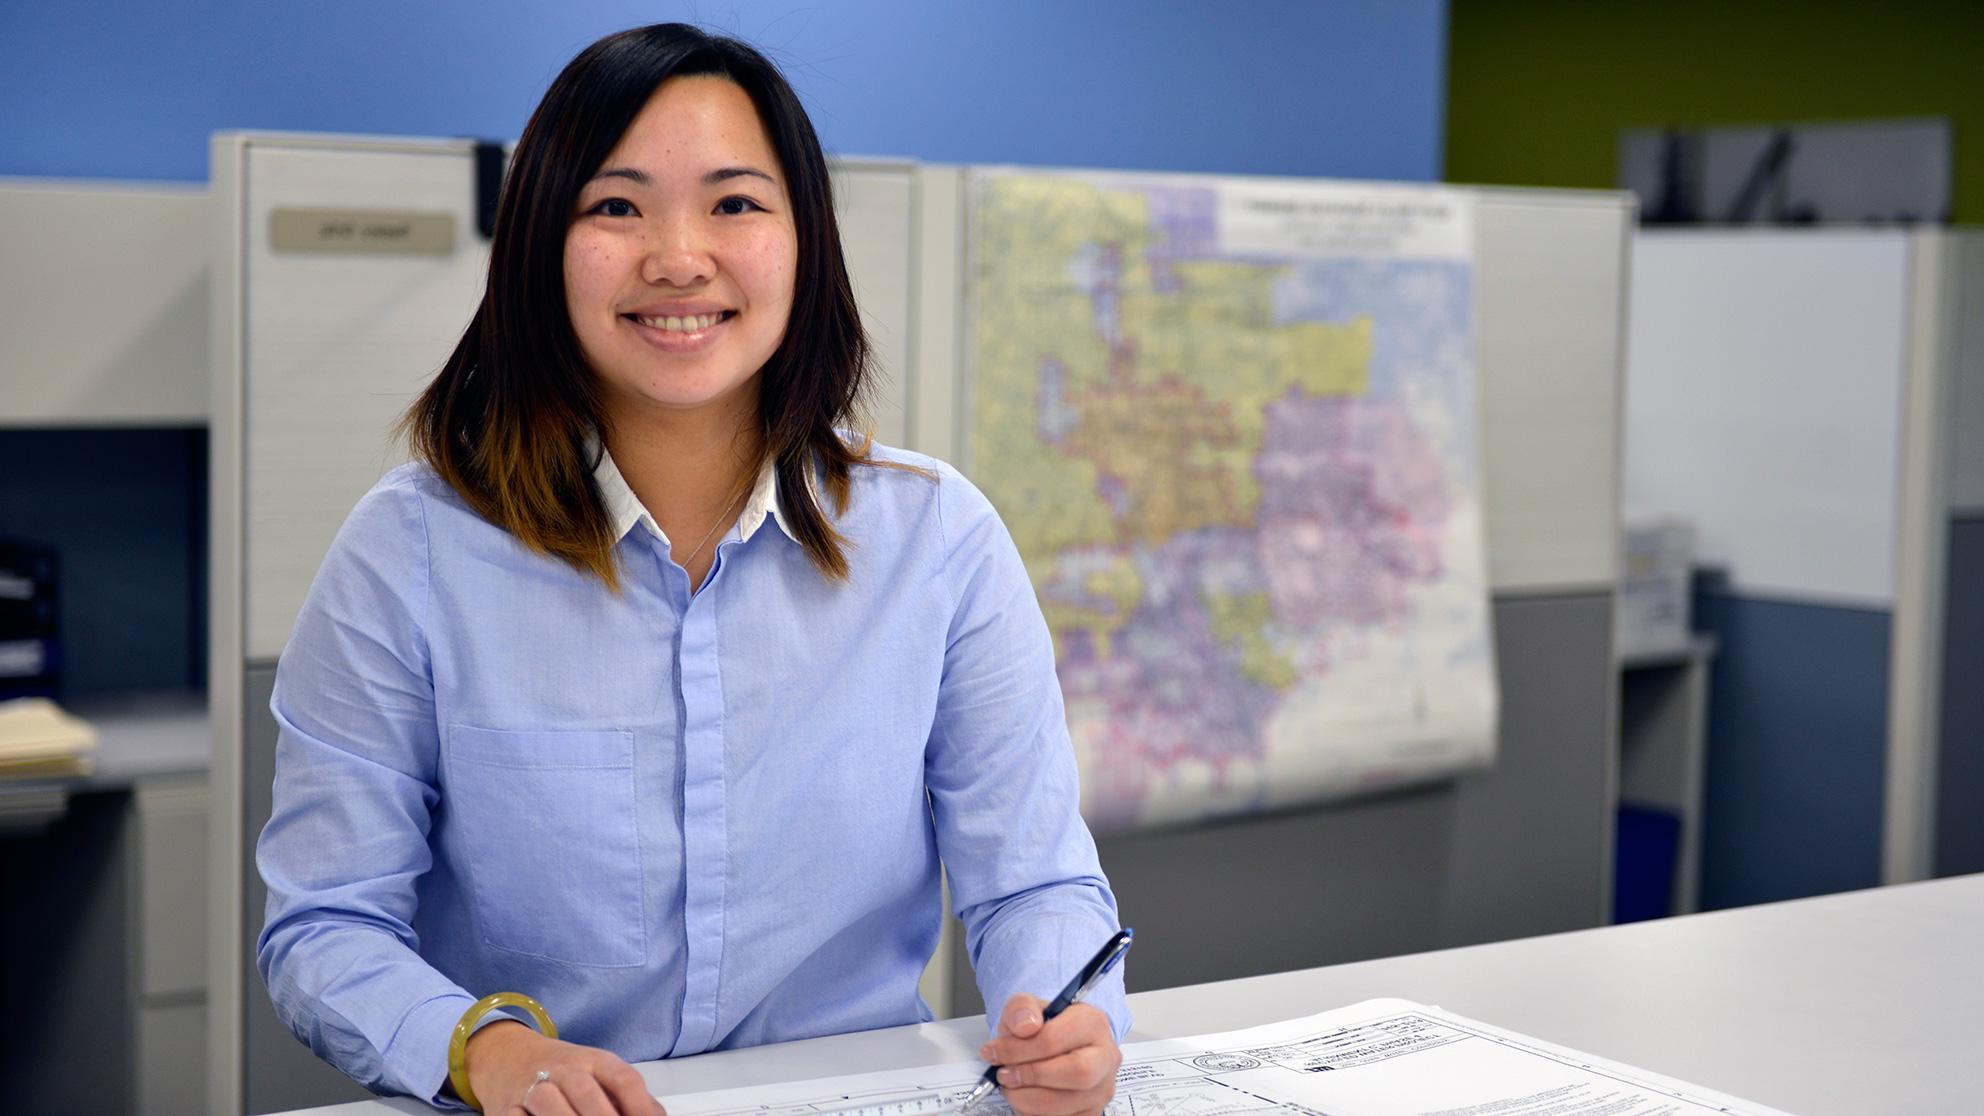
[[691, 323]]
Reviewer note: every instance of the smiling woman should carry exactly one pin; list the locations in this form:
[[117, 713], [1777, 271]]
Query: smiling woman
[[661, 175], [679, 265], [541, 742]]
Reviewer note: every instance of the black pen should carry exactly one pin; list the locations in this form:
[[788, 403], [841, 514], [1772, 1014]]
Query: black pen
[[1104, 960]]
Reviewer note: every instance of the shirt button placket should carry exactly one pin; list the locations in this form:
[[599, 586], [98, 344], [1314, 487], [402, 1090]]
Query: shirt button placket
[[704, 854]]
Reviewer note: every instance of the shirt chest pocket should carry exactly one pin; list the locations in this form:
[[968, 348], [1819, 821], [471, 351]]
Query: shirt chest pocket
[[551, 847]]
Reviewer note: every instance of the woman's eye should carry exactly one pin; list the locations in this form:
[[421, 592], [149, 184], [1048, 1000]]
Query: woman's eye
[[736, 205], [614, 207]]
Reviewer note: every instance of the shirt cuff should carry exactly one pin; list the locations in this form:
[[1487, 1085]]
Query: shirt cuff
[[1056, 951], [1107, 996], [417, 1058]]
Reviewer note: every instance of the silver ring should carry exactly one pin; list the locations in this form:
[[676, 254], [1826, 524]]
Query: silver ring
[[543, 1076]]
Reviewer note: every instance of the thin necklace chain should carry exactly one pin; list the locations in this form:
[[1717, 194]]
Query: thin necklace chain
[[720, 517]]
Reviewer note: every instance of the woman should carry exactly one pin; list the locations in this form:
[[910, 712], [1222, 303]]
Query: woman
[[646, 692]]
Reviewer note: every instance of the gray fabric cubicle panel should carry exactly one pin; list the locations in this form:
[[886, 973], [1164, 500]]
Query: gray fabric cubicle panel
[[1959, 838], [1966, 493], [1519, 849], [278, 1072], [1532, 847]]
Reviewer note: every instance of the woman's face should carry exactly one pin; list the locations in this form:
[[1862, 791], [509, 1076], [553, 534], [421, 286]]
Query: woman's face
[[680, 258]]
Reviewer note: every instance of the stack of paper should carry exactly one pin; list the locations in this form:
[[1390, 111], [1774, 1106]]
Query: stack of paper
[[37, 739], [1377, 1058]]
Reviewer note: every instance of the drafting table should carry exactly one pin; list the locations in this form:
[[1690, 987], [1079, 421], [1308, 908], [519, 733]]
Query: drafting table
[[1870, 1001]]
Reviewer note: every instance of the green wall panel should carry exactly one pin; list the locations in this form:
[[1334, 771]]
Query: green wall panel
[[1538, 90]]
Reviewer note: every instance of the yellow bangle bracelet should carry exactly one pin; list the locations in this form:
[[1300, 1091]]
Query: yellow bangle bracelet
[[458, 1045]]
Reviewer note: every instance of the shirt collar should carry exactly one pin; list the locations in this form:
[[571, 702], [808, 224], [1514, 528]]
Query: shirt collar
[[625, 509]]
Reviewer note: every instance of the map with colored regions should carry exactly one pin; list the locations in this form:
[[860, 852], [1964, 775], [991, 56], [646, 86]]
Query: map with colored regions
[[1231, 426]]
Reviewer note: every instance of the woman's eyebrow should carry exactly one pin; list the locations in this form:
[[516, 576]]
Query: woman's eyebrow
[[724, 174], [721, 174], [638, 177]]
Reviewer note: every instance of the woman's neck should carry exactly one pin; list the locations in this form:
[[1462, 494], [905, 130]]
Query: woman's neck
[[690, 470]]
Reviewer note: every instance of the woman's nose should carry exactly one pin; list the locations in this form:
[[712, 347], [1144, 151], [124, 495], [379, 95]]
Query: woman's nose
[[677, 255]]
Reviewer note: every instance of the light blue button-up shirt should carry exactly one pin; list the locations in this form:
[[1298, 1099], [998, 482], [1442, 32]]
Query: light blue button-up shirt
[[683, 821]]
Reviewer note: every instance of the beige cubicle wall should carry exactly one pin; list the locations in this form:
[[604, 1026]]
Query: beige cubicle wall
[[1520, 849], [1524, 847], [105, 292]]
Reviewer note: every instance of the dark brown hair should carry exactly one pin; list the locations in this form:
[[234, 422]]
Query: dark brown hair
[[508, 420]]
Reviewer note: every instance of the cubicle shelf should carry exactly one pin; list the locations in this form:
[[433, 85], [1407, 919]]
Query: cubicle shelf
[[140, 736], [147, 733]]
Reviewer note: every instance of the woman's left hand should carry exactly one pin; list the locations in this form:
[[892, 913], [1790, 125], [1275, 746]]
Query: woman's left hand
[[1064, 1067]]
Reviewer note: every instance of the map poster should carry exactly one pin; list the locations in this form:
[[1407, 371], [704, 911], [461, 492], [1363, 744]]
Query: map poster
[[1231, 425]]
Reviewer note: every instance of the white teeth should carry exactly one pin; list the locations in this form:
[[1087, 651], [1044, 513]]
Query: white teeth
[[681, 325]]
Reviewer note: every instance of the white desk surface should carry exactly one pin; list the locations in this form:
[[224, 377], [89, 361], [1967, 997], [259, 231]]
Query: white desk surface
[[1867, 1002]]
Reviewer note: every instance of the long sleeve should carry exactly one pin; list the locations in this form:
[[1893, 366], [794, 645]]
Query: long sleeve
[[493, 774], [355, 788], [1023, 870]]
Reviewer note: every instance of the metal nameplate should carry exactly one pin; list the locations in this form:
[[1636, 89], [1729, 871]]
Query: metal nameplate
[[386, 231]]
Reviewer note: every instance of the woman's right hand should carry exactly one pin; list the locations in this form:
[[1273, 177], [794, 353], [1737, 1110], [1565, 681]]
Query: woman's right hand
[[503, 1061]]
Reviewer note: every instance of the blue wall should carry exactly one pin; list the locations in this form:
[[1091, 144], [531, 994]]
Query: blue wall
[[1351, 88]]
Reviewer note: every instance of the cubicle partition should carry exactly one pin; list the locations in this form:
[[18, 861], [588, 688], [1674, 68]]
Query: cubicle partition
[[1525, 846], [1799, 395], [102, 462], [317, 349], [1958, 773], [344, 270]]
